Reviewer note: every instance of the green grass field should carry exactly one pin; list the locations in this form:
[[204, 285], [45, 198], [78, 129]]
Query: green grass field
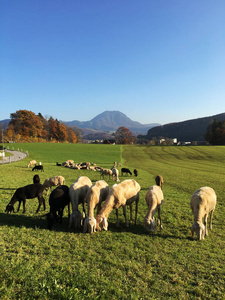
[[122, 263]]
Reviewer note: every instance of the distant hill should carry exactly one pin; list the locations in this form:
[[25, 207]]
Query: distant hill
[[4, 123], [190, 130], [111, 121]]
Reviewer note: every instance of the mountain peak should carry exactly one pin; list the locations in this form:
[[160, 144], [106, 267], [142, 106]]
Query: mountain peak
[[111, 121]]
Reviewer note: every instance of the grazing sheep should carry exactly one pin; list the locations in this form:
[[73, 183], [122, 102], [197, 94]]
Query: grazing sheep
[[31, 163], [115, 174], [159, 180], [96, 194], [36, 179], [203, 202], [154, 199], [77, 193], [38, 168], [59, 198], [92, 168], [89, 225], [135, 172], [27, 192], [53, 181], [122, 194], [105, 172], [68, 163], [97, 168], [126, 171]]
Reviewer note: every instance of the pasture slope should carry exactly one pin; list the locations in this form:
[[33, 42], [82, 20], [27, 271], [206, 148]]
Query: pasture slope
[[122, 263]]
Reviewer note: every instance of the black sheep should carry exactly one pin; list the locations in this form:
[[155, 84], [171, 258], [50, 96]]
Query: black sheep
[[126, 171], [159, 181], [135, 172], [36, 178], [58, 199], [27, 192], [38, 168]]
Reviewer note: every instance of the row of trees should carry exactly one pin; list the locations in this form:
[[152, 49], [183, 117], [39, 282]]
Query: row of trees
[[25, 126]]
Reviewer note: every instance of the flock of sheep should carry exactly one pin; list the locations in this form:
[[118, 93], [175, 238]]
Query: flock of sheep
[[105, 199]]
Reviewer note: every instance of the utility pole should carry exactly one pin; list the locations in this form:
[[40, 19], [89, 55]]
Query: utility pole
[[3, 153]]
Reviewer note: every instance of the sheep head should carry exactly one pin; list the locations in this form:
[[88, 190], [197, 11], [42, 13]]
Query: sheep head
[[150, 225], [199, 229], [89, 225], [9, 209], [77, 219], [50, 220], [101, 224]]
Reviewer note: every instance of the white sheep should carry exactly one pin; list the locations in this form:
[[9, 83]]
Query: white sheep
[[203, 202], [53, 181], [154, 199], [96, 194], [68, 163], [115, 174], [105, 172], [77, 193], [31, 163], [122, 194]]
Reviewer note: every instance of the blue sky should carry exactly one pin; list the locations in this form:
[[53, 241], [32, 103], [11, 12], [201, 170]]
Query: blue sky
[[155, 61]]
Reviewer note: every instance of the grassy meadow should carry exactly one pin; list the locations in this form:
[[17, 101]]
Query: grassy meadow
[[122, 263]]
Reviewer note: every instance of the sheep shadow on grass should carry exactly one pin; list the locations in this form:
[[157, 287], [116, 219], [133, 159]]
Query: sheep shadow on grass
[[39, 221]]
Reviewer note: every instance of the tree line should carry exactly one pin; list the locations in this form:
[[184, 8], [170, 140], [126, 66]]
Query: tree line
[[26, 126], [215, 134]]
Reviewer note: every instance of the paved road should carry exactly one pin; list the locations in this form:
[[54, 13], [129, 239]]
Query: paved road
[[16, 156]]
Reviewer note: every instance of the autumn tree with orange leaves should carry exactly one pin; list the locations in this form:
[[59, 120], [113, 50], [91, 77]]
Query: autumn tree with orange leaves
[[124, 136], [25, 126]]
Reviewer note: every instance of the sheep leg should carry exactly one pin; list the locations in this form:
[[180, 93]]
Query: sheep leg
[[68, 209], [98, 207], [211, 216], [41, 200], [136, 209], [60, 215], [19, 205], [131, 214], [159, 218], [205, 223], [70, 221], [84, 210], [117, 218], [125, 215], [24, 202]]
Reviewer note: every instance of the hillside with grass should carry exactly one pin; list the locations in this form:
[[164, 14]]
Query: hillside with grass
[[121, 263]]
